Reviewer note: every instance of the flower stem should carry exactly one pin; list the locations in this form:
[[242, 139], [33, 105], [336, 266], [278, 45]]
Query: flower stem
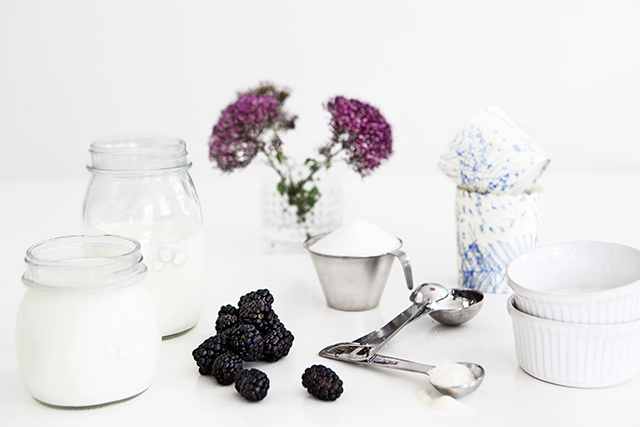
[[297, 195]]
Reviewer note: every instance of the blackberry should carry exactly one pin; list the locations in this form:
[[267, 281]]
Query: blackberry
[[252, 384], [262, 294], [227, 309], [277, 344], [274, 322], [208, 352], [247, 342], [322, 382], [226, 322], [226, 367], [257, 313]]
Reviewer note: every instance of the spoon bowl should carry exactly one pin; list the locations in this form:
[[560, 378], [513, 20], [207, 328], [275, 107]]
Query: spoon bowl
[[460, 306], [428, 293], [463, 389]]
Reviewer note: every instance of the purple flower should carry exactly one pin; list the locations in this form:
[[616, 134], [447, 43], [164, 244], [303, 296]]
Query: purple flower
[[254, 122], [234, 141], [362, 131]]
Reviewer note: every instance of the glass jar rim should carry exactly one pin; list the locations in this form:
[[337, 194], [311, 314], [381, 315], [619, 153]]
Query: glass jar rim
[[138, 154], [84, 263]]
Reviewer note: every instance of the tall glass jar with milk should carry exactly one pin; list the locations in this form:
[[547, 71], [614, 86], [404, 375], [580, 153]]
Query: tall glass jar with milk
[[140, 187]]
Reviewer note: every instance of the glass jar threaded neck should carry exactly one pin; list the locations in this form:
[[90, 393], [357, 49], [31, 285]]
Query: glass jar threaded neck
[[138, 154], [84, 263]]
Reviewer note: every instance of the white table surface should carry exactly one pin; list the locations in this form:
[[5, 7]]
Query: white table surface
[[418, 209]]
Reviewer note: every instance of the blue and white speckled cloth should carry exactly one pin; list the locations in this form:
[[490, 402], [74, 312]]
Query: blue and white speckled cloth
[[491, 231], [492, 154]]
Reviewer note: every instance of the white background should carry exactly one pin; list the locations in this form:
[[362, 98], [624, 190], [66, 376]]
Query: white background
[[74, 71], [567, 71]]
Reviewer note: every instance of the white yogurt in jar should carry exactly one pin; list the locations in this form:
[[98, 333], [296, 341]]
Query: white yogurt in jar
[[86, 331], [85, 350], [174, 254]]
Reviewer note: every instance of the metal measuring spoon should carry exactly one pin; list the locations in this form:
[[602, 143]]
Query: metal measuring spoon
[[449, 307], [407, 365], [422, 296], [460, 306], [349, 352]]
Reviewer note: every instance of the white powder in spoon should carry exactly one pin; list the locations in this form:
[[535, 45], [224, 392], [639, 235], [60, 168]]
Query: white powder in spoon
[[451, 375], [358, 238]]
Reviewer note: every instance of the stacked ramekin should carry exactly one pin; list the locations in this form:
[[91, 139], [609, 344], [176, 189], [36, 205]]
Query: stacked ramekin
[[576, 313]]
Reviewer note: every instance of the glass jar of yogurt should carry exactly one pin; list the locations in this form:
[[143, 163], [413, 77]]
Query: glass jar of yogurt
[[140, 187], [86, 332]]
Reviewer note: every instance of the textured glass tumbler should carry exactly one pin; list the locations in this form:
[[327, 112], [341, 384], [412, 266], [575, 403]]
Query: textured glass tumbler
[[281, 228]]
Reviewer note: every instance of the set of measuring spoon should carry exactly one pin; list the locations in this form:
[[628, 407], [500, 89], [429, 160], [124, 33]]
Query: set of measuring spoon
[[450, 307]]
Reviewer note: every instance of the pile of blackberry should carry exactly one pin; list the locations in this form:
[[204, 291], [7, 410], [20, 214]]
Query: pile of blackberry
[[250, 332]]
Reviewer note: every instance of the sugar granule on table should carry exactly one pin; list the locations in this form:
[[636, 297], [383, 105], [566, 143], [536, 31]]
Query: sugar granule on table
[[358, 238], [443, 405], [446, 404]]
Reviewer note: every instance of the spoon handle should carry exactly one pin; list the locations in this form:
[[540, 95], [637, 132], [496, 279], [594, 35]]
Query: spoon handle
[[378, 337], [421, 305], [400, 364]]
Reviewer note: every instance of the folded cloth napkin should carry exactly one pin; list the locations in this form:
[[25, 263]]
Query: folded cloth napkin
[[492, 154]]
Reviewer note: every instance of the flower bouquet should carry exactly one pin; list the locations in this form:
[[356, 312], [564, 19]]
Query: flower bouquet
[[254, 123]]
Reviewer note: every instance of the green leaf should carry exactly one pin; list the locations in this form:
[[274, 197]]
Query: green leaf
[[282, 187], [314, 194]]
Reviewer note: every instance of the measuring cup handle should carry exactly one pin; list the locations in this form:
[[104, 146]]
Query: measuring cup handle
[[406, 266]]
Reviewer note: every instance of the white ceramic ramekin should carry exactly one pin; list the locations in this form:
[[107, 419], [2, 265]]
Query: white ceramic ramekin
[[575, 355], [578, 282]]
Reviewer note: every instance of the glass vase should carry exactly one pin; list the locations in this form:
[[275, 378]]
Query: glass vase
[[282, 229]]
